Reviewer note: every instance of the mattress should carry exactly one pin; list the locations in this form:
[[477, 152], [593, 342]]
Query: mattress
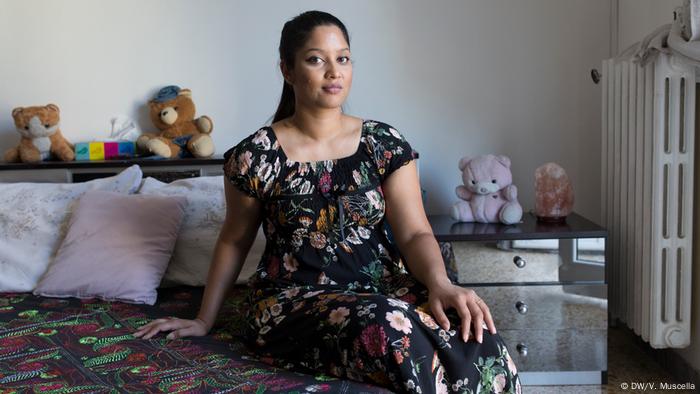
[[68, 345]]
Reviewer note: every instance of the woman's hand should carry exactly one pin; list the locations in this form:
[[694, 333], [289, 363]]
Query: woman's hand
[[179, 328], [469, 306]]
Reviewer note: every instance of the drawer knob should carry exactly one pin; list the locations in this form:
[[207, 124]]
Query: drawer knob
[[522, 349], [519, 262], [521, 307]]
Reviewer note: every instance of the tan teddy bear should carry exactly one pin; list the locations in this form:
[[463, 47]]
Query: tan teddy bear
[[41, 137], [181, 135]]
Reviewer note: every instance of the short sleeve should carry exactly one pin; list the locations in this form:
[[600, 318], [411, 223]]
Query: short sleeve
[[397, 152], [238, 169]]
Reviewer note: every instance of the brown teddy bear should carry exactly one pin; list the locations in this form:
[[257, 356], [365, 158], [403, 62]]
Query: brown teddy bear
[[41, 137], [181, 135]]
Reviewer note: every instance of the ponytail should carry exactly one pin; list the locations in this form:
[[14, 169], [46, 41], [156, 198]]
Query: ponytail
[[286, 107]]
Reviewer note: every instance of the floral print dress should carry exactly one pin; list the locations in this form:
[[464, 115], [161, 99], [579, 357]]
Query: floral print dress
[[331, 292]]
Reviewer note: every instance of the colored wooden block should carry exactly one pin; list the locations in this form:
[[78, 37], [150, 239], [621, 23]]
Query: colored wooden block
[[82, 151], [97, 151], [111, 150], [126, 148]]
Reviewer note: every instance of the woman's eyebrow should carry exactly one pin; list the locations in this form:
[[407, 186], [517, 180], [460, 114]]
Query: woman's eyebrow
[[321, 50]]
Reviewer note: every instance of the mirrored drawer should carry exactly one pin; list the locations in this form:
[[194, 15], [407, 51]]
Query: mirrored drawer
[[529, 261], [557, 350], [547, 307]]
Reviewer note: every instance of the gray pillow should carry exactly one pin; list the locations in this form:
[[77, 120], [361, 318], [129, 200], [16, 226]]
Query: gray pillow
[[117, 248]]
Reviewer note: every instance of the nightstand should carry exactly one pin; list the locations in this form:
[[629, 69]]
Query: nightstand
[[546, 288]]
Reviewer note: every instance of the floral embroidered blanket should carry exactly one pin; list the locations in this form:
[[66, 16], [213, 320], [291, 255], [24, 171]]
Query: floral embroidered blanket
[[52, 345]]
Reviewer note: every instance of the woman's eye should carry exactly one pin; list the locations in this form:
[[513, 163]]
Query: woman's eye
[[314, 60], [343, 60]]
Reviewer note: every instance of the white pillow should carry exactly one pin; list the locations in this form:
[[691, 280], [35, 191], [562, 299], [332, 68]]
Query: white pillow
[[34, 219], [204, 216]]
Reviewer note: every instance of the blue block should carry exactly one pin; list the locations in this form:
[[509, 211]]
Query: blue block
[[126, 149], [82, 151]]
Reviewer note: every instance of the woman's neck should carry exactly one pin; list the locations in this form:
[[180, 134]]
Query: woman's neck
[[319, 126]]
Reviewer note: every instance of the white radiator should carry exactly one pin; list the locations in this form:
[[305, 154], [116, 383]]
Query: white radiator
[[648, 146]]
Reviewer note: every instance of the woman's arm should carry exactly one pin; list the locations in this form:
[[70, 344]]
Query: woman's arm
[[415, 239], [410, 226], [243, 217]]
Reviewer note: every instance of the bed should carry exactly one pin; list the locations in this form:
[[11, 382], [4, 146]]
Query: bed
[[69, 345], [73, 345]]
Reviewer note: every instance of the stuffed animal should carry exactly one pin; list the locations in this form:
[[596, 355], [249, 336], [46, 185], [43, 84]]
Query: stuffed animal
[[488, 193], [181, 135], [41, 136]]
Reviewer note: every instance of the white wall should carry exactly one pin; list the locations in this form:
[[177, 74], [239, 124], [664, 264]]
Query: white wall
[[455, 77], [636, 19]]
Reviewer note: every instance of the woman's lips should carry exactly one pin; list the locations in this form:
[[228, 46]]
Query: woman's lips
[[333, 89]]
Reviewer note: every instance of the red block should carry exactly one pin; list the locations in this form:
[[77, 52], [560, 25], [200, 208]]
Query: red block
[[111, 150]]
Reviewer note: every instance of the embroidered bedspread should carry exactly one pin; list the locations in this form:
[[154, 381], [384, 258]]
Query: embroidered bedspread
[[67, 345]]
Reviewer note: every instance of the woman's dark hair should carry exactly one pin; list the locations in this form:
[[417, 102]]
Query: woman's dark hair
[[295, 33]]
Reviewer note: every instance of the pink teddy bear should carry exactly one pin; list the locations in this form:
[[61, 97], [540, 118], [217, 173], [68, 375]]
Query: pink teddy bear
[[488, 193]]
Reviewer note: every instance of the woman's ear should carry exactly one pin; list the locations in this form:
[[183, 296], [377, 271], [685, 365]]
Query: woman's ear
[[286, 74]]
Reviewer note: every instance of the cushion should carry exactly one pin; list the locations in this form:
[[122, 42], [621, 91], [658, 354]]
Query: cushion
[[117, 248], [204, 216], [33, 220]]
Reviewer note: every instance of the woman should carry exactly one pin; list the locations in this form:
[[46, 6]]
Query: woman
[[332, 293]]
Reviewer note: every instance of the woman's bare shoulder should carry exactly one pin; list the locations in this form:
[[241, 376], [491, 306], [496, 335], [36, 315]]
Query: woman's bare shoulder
[[353, 119]]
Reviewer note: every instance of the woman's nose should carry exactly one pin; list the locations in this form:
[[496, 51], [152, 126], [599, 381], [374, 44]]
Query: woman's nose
[[333, 71]]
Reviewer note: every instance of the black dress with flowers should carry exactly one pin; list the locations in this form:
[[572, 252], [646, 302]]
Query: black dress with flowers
[[331, 292]]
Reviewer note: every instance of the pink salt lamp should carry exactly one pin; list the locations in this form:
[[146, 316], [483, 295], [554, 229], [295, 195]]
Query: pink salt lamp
[[554, 195]]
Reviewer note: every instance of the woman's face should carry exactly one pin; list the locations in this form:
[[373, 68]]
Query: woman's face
[[322, 72]]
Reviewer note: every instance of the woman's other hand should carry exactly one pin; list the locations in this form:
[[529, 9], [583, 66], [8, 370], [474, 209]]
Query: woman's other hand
[[178, 328], [416, 241], [470, 307]]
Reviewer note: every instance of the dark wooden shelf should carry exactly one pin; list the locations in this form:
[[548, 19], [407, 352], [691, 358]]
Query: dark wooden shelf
[[147, 161], [447, 229]]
